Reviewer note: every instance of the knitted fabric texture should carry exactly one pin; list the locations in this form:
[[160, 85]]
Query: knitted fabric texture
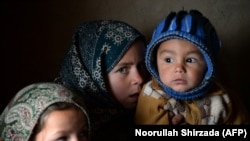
[[19, 118], [193, 27]]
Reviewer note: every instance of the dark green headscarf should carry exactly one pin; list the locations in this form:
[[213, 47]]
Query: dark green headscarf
[[97, 46]]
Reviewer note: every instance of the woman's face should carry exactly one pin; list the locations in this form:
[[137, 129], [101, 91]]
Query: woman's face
[[127, 77]]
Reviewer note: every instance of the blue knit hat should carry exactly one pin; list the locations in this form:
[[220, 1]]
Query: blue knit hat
[[193, 27]]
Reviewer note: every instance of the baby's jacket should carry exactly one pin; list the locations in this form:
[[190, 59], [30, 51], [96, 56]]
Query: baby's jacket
[[214, 108]]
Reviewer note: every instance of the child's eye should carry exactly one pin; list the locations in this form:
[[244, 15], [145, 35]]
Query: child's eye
[[169, 60], [191, 60], [63, 138], [123, 70]]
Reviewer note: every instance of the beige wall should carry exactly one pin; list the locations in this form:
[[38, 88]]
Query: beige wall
[[36, 34]]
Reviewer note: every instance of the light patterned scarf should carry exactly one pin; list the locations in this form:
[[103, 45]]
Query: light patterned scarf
[[19, 118]]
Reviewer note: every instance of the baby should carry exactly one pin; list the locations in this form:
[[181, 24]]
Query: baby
[[182, 57]]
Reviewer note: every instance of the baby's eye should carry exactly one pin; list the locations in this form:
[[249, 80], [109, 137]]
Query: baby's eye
[[191, 60], [169, 60]]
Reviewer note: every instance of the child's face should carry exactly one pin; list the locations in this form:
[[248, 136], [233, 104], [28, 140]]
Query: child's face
[[64, 125], [180, 64], [126, 78]]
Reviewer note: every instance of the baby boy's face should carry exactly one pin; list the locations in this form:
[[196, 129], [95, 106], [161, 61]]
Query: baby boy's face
[[180, 64]]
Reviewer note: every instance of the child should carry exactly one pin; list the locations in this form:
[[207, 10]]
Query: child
[[181, 57], [105, 65], [91, 67], [45, 111]]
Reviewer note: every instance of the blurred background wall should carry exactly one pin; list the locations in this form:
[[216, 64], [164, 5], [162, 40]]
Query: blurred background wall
[[35, 35]]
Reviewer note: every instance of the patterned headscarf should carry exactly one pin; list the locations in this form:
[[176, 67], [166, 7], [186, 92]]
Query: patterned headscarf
[[97, 46], [21, 115]]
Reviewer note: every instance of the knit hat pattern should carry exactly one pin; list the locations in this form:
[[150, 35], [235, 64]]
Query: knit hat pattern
[[193, 27]]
